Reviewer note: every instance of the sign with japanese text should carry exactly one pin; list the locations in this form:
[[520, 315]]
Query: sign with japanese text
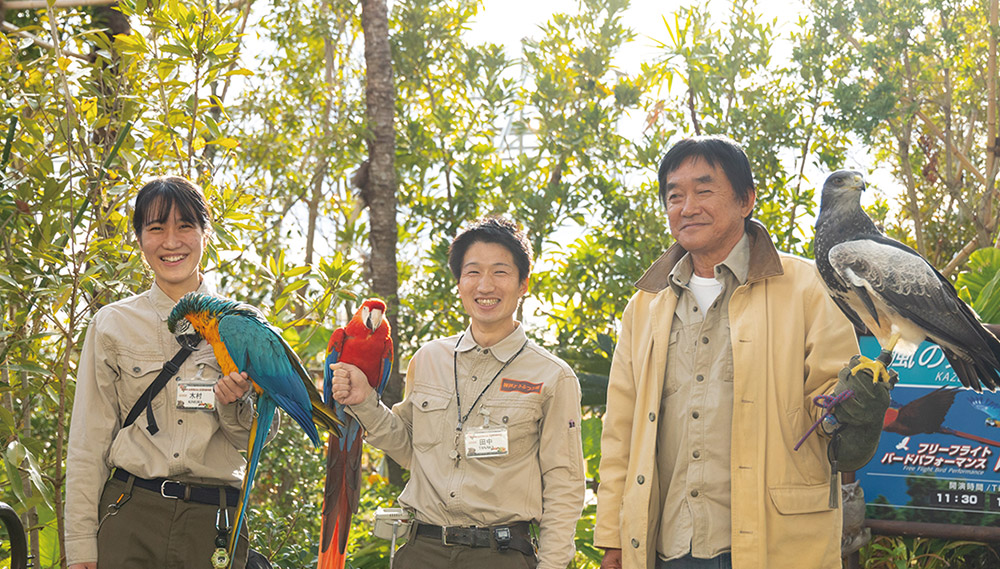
[[939, 457]]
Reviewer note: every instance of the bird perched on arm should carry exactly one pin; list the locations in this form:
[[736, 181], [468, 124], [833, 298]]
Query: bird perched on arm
[[884, 286], [243, 342], [364, 342]]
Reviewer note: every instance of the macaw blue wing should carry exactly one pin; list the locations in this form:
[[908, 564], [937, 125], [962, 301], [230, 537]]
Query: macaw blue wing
[[263, 354], [386, 368]]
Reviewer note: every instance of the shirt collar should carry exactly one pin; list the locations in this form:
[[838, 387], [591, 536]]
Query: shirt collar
[[737, 262], [502, 350], [763, 260], [163, 304]]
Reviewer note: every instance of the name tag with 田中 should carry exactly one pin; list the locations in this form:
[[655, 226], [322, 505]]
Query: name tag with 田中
[[486, 442]]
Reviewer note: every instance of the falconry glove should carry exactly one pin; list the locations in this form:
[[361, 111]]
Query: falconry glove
[[860, 417]]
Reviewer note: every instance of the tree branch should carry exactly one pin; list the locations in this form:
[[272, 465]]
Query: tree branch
[[14, 30], [42, 4]]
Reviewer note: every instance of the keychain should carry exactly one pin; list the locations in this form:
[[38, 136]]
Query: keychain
[[220, 559]]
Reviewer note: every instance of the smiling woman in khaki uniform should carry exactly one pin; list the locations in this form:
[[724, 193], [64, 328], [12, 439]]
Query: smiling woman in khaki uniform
[[147, 494], [489, 427]]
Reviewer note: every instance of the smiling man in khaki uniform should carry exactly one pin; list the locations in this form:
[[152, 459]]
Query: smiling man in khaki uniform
[[489, 426]]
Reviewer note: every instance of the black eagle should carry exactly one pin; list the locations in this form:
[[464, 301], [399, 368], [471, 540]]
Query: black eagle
[[889, 289]]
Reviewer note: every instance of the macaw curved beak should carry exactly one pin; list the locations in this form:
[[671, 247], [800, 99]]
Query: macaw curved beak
[[374, 320]]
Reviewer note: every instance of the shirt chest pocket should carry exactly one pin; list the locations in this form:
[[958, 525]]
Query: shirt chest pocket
[[675, 365], [521, 419], [430, 419], [135, 374]]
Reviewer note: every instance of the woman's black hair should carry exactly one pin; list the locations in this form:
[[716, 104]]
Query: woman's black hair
[[158, 197]]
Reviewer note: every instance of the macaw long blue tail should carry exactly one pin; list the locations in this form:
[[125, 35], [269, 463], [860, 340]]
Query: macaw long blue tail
[[259, 430]]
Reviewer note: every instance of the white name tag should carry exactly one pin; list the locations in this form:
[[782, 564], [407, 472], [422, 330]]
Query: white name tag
[[195, 394], [482, 443]]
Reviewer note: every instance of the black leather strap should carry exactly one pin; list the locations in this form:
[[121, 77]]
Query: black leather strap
[[472, 536], [146, 399], [182, 491]]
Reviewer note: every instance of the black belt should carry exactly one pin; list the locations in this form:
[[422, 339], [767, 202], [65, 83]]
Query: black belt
[[180, 490], [515, 536]]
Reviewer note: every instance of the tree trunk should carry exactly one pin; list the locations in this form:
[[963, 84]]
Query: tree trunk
[[380, 99]]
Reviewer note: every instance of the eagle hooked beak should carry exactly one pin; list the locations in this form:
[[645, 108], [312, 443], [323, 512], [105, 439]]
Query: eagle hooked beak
[[857, 182]]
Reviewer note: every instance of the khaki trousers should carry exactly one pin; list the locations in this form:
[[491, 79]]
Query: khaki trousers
[[425, 552], [152, 531]]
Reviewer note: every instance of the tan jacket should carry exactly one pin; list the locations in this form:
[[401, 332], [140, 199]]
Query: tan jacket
[[536, 397], [126, 345], [789, 341]]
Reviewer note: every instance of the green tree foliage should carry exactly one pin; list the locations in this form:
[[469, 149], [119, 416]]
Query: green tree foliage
[[916, 80], [263, 104], [724, 78]]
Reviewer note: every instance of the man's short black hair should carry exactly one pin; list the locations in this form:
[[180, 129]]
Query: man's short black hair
[[720, 150], [492, 230], [159, 196]]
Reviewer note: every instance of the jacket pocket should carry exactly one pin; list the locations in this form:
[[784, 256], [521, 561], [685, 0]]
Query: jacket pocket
[[135, 374], [791, 500], [429, 419]]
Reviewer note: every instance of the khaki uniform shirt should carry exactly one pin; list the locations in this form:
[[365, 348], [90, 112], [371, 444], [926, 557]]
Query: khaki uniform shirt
[[125, 348], [695, 431], [536, 397]]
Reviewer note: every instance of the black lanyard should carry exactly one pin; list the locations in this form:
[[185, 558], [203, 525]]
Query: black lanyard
[[458, 396]]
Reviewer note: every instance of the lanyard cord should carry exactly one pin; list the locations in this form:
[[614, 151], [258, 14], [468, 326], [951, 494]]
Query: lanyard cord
[[458, 396]]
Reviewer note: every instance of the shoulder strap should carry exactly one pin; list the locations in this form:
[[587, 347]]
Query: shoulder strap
[[146, 399]]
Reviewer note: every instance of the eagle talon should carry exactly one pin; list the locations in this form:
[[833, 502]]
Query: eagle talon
[[876, 367]]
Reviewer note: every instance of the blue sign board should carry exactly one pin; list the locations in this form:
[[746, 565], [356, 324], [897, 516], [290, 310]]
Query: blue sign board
[[939, 457]]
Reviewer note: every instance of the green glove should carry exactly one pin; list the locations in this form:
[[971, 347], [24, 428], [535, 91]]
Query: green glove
[[861, 416]]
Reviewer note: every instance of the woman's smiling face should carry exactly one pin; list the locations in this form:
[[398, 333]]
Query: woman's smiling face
[[173, 248]]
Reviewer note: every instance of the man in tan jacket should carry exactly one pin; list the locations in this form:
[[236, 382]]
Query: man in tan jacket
[[721, 352]]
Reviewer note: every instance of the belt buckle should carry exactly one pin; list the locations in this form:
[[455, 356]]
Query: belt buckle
[[444, 536], [163, 489]]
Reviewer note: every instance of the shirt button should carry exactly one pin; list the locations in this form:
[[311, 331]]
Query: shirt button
[[704, 339], [135, 369], [505, 419], [695, 309], [177, 455], [424, 404], [652, 417], [640, 479], [696, 454], [700, 377], [474, 378], [180, 421], [635, 543], [486, 351], [694, 493], [452, 494], [696, 414]]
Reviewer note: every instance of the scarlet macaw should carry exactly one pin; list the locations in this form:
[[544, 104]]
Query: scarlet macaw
[[244, 342], [366, 343]]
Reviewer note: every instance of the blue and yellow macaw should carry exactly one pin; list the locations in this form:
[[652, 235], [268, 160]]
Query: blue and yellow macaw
[[364, 342], [244, 342]]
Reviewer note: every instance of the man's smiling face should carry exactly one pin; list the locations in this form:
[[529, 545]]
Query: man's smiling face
[[490, 288]]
